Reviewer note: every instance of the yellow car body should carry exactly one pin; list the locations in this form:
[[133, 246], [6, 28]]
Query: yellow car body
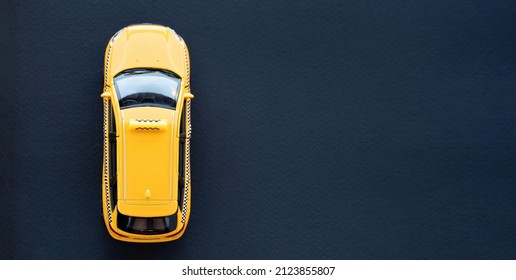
[[146, 185]]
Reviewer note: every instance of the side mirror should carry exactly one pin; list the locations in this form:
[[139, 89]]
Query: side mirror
[[189, 95], [105, 95]]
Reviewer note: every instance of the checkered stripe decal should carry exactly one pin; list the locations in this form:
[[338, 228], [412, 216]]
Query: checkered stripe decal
[[106, 138]]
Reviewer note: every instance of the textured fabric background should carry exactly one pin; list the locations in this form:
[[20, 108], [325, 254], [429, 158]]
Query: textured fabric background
[[321, 129]]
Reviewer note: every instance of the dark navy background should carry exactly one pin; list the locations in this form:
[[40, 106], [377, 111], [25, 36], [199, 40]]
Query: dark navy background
[[321, 129]]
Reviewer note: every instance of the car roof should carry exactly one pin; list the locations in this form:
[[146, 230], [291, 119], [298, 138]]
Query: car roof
[[146, 174]]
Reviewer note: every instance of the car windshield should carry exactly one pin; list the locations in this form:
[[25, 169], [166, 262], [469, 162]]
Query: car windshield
[[147, 87]]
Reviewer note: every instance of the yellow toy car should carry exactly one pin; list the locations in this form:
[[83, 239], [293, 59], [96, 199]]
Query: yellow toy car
[[146, 185]]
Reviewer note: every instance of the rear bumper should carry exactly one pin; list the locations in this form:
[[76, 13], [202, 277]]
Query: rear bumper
[[144, 238]]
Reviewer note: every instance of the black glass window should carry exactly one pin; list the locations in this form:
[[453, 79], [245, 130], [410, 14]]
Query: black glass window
[[147, 87], [112, 157], [181, 171], [139, 225]]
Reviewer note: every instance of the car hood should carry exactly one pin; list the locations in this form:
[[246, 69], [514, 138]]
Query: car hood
[[147, 46], [147, 186]]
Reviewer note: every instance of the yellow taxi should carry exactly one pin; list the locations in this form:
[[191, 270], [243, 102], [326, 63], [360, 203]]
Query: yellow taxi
[[146, 184]]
